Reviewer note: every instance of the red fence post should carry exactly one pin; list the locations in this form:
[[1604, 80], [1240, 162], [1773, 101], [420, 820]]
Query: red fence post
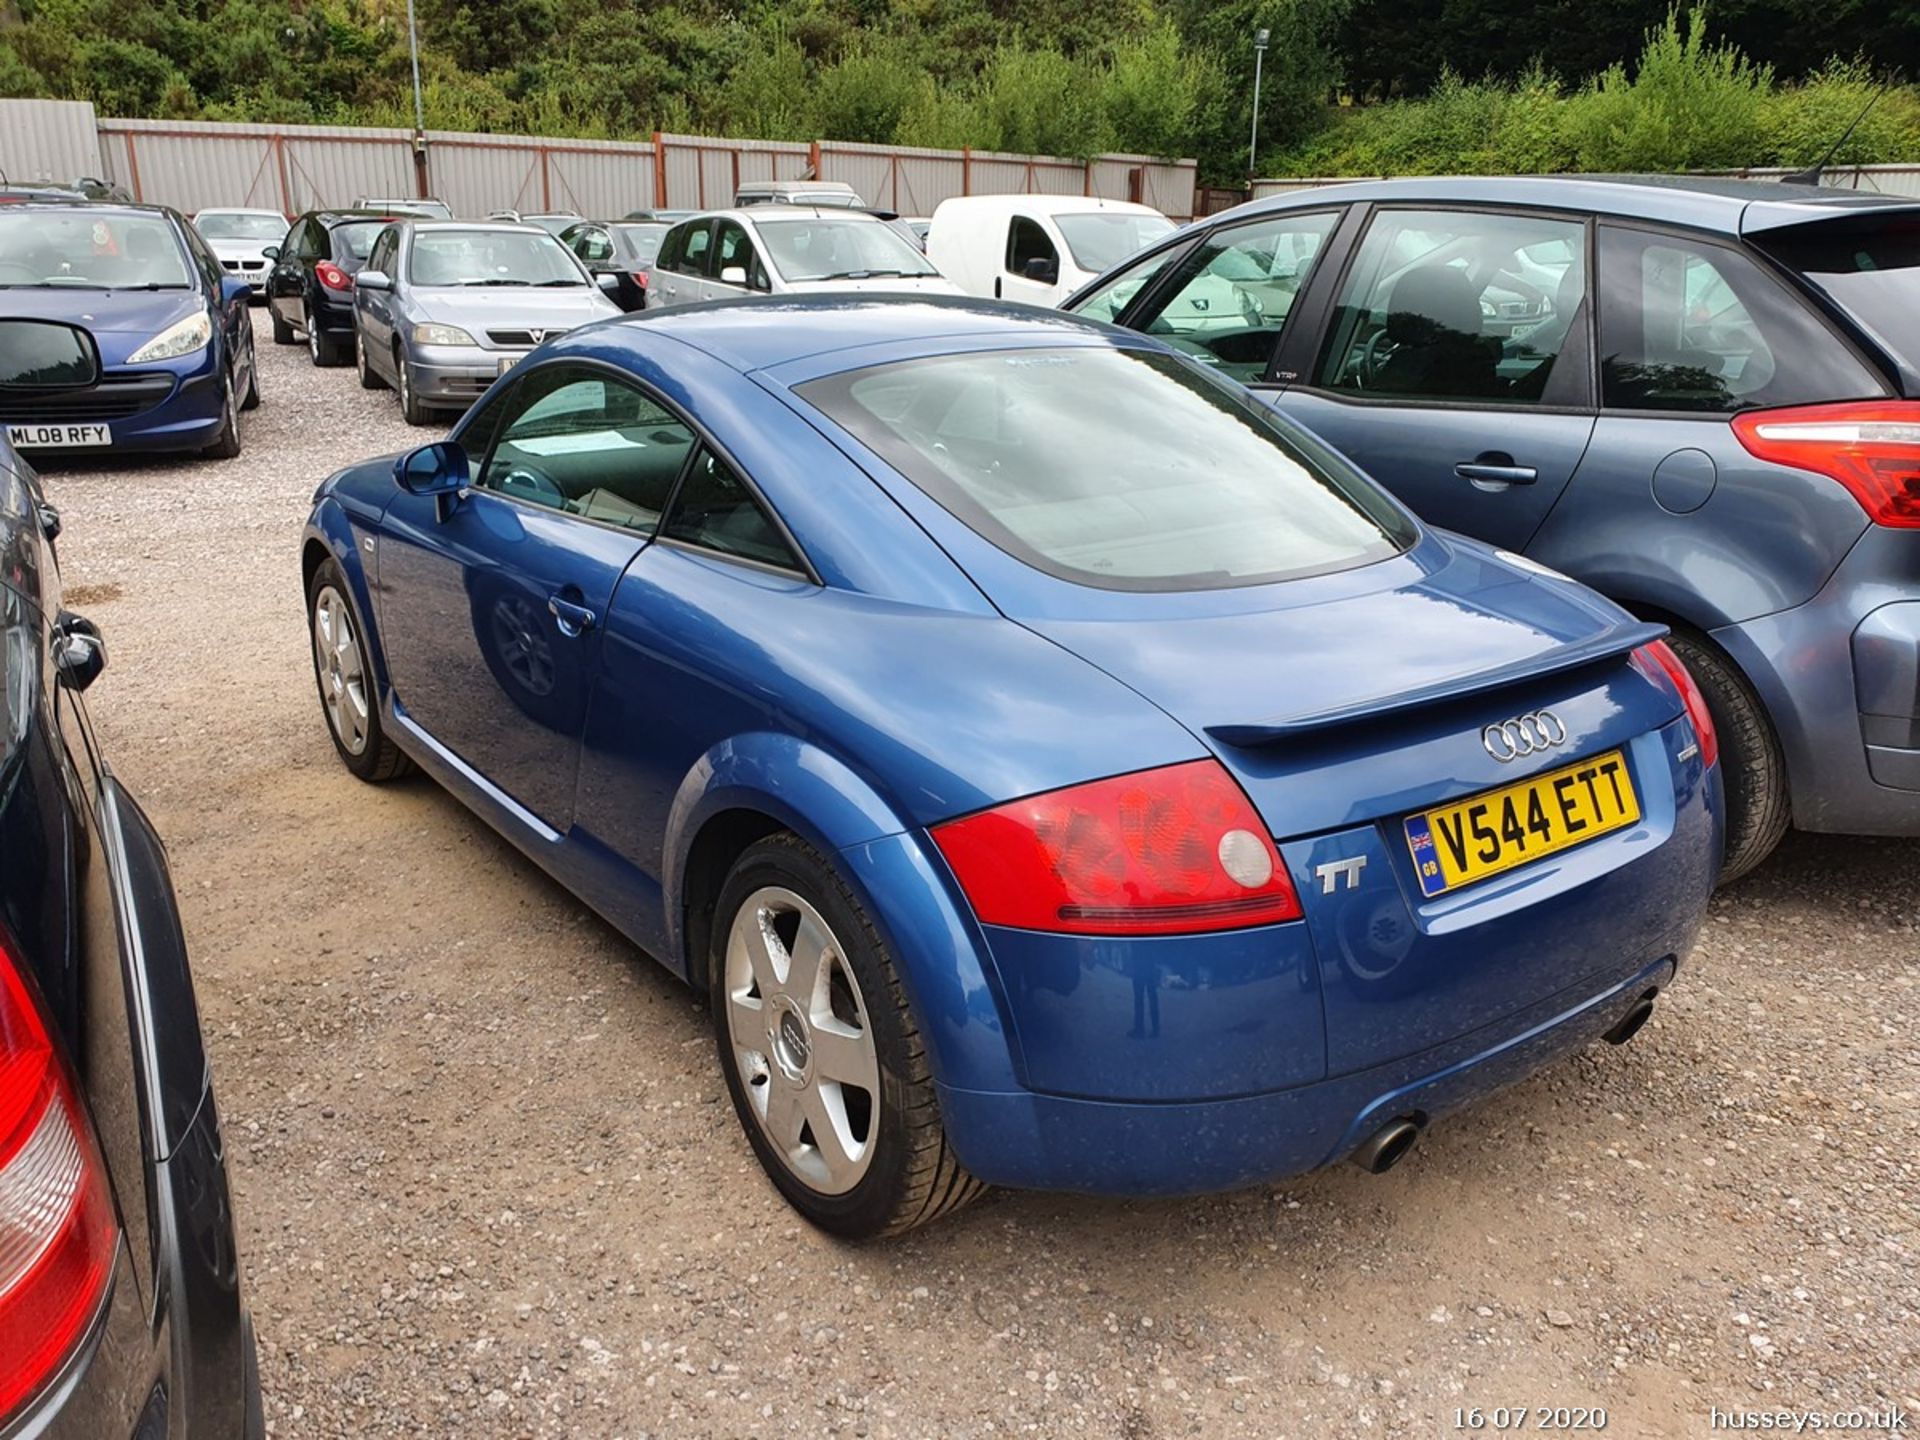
[[133, 164], [659, 171], [813, 158], [280, 163]]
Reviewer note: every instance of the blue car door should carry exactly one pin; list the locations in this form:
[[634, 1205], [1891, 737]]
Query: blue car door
[[494, 603], [1455, 364]]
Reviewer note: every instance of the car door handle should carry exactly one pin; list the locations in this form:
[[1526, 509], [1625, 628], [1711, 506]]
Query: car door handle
[[573, 619], [1495, 468]]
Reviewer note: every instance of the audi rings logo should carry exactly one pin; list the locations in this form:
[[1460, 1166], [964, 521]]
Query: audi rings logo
[[1523, 735]]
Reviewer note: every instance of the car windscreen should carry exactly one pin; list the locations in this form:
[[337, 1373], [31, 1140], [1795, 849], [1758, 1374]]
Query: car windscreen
[[354, 238], [821, 247], [644, 240], [234, 225], [1119, 469], [90, 251], [1101, 239], [1869, 268], [490, 257]]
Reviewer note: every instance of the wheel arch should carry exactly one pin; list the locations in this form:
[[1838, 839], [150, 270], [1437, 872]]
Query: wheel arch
[[330, 536], [753, 786]]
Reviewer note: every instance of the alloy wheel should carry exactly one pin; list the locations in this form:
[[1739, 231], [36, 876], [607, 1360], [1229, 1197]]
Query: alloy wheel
[[313, 337], [801, 1040], [342, 671]]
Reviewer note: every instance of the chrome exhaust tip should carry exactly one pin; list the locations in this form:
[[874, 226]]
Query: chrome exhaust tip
[[1386, 1147], [1629, 1025]]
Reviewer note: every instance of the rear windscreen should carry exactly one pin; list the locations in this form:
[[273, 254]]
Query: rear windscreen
[[1870, 270], [1119, 469]]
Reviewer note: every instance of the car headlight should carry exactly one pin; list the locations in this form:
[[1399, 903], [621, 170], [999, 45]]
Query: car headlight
[[441, 335], [184, 338]]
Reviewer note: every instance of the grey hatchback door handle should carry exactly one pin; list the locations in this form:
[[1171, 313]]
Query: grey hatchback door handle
[[573, 620], [1491, 470]]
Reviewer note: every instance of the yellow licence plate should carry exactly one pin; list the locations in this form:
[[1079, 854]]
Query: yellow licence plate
[[1458, 844]]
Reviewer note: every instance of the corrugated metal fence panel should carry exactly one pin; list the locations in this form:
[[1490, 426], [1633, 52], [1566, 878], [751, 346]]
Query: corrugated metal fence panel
[[190, 164], [926, 177], [48, 140], [702, 170], [604, 181], [476, 174], [1264, 188]]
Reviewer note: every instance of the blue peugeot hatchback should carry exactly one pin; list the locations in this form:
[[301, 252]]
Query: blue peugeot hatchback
[[168, 345], [1698, 396], [1057, 769]]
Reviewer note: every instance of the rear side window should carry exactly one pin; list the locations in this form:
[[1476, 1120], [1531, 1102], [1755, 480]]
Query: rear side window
[[715, 510], [1119, 469], [1688, 325], [1871, 270]]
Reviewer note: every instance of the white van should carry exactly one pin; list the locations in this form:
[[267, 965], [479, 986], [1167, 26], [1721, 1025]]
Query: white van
[[1036, 248]]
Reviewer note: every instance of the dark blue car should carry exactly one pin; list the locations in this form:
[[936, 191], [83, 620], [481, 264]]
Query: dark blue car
[[1057, 769], [165, 329], [121, 1308], [1697, 396]]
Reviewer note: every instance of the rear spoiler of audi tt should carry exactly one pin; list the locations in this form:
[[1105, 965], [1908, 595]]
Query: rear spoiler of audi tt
[[1614, 641]]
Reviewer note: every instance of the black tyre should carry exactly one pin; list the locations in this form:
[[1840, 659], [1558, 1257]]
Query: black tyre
[[282, 331], [252, 400], [349, 698], [369, 377], [322, 348], [227, 445], [1751, 764], [411, 410], [827, 1069]]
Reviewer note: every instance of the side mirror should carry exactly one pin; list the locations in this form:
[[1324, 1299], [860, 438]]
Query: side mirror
[[733, 275], [436, 469], [233, 290], [272, 252], [1043, 270], [79, 652], [373, 280], [607, 280]]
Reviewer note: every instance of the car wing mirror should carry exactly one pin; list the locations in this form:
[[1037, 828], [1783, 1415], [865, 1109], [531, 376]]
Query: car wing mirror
[[608, 280], [79, 652], [733, 275], [1045, 271], [272, 252], [233, 290], [373, 280], [436, 469]]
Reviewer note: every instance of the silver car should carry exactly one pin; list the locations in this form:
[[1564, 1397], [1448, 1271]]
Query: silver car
[[245, 241], [444, 307], [785, 250]]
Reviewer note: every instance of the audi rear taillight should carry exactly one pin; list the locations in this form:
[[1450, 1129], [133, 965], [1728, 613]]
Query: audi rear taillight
[[641, 277], [57, 1228], [1171, 851], [1871, 447], [1657, 659], [332, 276]]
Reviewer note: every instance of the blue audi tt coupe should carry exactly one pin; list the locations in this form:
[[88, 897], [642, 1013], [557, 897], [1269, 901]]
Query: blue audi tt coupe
[[1058, 769]]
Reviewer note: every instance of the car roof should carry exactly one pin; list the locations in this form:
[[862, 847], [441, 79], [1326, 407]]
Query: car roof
[[110, 207], [330, 218], [762, 214], [239, 210], [1729, 205], [1039, 204], [763, 332], [422, 224]]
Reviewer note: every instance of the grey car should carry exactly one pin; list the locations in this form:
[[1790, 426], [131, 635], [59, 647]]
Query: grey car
[[445, 307], [1698, 396]]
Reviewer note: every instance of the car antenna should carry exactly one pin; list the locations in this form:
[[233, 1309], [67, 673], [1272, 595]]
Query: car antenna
[[1811, 175]]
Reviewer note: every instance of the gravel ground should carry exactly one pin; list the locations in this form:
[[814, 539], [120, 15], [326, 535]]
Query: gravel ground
[[489, 1183]]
